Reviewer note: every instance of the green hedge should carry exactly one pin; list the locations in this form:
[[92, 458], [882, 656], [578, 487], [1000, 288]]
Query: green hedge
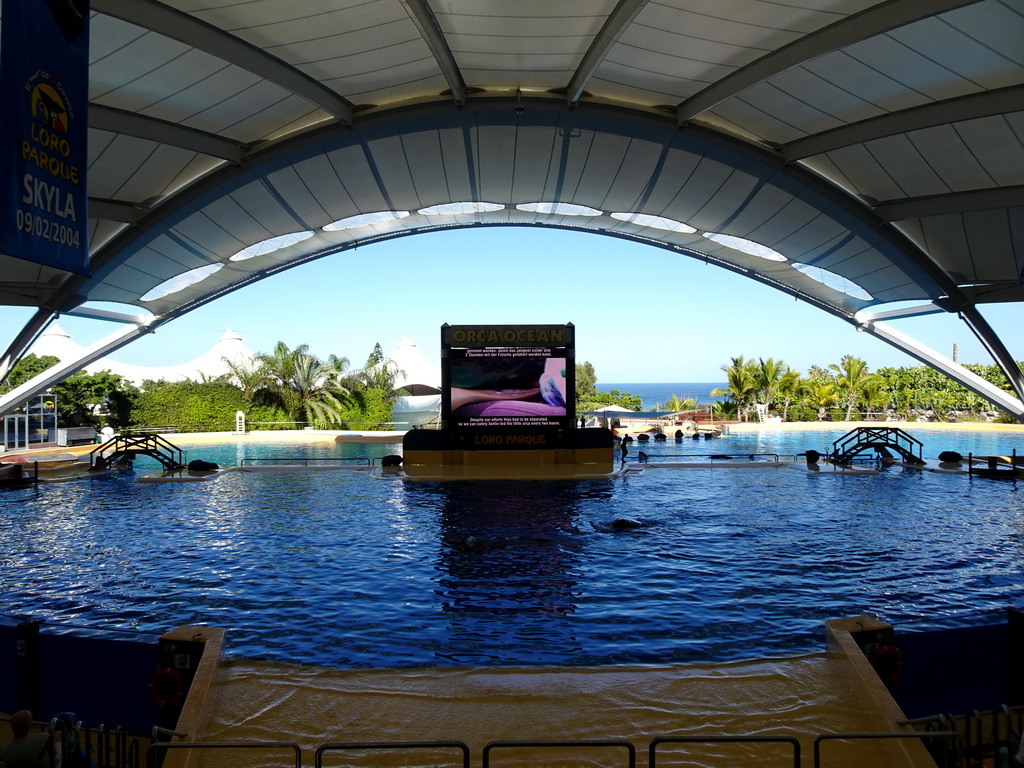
[[196, 404]]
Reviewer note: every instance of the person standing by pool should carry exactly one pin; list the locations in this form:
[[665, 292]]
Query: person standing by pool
[[26, 750], [624, 449]]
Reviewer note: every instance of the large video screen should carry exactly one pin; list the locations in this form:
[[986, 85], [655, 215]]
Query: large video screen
[[509, 387]]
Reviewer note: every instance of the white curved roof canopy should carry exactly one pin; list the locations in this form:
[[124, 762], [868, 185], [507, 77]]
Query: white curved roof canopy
[[875, 148]]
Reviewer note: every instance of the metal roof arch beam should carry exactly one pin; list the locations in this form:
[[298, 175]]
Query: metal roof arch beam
[[430, 30], [952, 203], [39, 384], [860, 26], [943, 364], [617, 22], [972, 107], [991, 341], [164, 132], [115, 210], [172, 23], [25, 339]]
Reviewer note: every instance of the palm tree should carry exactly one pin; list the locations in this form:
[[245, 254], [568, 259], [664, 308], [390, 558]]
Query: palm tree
[[852, 377], [820, 394], [382, 375], [741, 388], [875, 396], [250, 376], [306, 386], [313, 383], [790, 388], [768, 374], [280, 364], [677, 404]]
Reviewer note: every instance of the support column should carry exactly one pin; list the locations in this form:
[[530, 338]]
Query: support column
[[931, 358], [991, 341]]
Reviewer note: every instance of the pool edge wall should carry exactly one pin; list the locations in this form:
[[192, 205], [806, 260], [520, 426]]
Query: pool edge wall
[[841, 642], [204, 647]]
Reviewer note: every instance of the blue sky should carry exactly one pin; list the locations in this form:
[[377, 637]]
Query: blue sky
[[642, 314]]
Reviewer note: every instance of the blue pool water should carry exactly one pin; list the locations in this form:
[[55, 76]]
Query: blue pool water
[[344, 569]]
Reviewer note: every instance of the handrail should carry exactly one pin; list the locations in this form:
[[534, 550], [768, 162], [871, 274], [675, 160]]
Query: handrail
[[152, 445], [867, 437], [151, 751], [951, 742], [304, 460], [258, 426], [529, 744], [712, 456], [887, 735], [338, 746], [655, 742]]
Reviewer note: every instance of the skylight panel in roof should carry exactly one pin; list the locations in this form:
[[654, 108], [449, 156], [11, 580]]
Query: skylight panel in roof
[[454, 209], [746, 246], [270, 245], [655, 222], [365, 220], [560, 209], [181, 282], [834, 281]]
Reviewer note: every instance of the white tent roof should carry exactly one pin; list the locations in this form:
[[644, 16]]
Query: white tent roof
[[417, 373], [56, 341]]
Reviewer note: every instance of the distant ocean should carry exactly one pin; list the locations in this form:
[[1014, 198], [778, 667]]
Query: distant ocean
[[652, 395]]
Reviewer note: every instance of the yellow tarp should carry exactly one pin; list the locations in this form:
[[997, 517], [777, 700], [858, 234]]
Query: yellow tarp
[[799, 697]]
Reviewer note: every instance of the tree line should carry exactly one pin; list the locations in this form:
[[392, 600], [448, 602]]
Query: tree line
[[840, 391], [283, 389], [293, 388]]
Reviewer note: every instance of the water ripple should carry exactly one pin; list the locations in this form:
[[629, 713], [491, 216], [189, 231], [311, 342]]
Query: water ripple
[[342, 569]]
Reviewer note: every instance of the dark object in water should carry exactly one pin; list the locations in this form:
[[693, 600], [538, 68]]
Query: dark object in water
[[812, 456], [625, 524], [660, 436], [198, 465], [643, 438], [642, 456], [391, 460], [950, 456]]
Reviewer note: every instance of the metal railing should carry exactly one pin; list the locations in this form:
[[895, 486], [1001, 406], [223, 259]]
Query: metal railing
[[770, 458], [861, 439], [560, 745], [152, 445], [393, 746], [154, 759], [83, 747], [948, 756], [946, 747], [305, 461], [258, 426], [987, 736], [652, 751]]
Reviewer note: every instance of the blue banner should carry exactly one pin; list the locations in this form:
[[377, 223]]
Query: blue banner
[[44, 90]]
